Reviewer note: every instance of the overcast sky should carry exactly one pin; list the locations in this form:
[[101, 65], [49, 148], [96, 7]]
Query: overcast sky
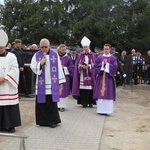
[[1, 1]]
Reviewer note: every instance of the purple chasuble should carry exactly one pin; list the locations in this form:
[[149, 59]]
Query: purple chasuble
[[105, 87], [66, 61], [89, 77], [54, 77]]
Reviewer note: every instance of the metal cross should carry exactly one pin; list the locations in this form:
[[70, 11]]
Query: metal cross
[[53, 59], [54, 78], [41, 80]]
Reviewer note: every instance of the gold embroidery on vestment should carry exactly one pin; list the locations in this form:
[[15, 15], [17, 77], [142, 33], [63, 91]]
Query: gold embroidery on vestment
[[103, 84]]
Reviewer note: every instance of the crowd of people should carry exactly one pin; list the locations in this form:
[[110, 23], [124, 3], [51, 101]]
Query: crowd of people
[[90, 77], [132, 68]]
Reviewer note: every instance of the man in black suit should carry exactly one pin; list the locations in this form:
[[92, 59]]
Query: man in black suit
[[120, 69], [73, 54], [20, 59], [147, 63]]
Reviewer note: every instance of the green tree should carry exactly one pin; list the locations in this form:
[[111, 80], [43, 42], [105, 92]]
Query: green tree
[[131, 28], [93, 19], [122, 23], [20, 19], [138, 25], [56, 17]]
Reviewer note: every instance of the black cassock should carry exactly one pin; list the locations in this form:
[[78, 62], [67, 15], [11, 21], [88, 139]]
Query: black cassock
[[47, 113], [9, 116]]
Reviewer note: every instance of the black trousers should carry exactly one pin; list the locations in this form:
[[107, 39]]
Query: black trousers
[[22, 88]]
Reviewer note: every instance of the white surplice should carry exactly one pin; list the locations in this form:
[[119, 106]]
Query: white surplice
[[105, 106], [10, 71], [35, 66], [63, 101]]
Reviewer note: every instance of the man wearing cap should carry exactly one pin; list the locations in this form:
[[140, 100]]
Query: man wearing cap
[[83, 79], [9, 76]]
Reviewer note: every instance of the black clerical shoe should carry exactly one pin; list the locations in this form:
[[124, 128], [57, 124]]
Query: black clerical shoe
[[11, 130], [90, 105], [104, 114], [28, 96], [75, 97], [62, 109], [84, 106], [52, 125]]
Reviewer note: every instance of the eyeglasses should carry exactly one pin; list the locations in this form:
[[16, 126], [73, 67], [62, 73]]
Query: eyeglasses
[[44, 46]]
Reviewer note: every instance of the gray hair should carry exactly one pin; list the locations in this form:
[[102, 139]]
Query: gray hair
[[45, 41], [33, 45]]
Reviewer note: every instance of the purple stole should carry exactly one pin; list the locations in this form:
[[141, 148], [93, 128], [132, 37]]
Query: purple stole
[[87, 76], [41, 96]]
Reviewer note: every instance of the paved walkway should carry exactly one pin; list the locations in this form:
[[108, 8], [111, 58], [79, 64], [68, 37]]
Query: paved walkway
[[81, 129]]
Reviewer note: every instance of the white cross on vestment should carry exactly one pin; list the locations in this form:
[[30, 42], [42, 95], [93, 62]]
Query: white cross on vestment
[[53, 59], [54, 78], [41, 81]]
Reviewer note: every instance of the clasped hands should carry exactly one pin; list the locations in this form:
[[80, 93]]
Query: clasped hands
[[105, 61], [85, 66]]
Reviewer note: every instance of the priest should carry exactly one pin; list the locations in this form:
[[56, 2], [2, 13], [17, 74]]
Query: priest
[[68, 68], [9, 76], [84, 76], [50, 77], [105, 87]]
